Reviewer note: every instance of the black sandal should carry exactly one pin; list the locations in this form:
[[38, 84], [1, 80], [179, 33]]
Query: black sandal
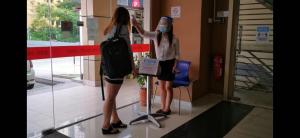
[[110, 130], [119, 124], [160, 111], [167, 113]]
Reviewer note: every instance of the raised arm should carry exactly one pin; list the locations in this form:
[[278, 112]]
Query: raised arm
[[141, 31]]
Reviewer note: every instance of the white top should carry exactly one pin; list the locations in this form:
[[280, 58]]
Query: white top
[[164, 51]]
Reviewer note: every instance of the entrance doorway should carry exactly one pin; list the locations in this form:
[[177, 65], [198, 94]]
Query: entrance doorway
[[253, 54]]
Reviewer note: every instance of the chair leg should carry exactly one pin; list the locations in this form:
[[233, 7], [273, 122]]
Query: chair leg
[[179, 100], [153, 96], [189, 94]]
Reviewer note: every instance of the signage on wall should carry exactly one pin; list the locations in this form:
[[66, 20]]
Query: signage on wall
[[66, 26], [262, 34], [92, 25], [136, 3], [131, 3], [123, 2], [175, 12], [80, 23], [222, 13]]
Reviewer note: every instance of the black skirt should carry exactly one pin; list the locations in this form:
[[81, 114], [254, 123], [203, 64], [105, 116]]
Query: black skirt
[[166, 73], [114, 81]]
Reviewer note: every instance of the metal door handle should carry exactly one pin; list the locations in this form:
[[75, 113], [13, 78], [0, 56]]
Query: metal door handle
[[240, 39]]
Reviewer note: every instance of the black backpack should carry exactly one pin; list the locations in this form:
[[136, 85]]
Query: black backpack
[[116, 59]]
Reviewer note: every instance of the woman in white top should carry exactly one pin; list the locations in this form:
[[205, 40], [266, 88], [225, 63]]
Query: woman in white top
[[167, 52], [120, 18]]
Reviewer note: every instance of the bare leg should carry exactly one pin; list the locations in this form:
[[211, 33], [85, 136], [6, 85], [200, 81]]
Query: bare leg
[[163, 92], [169, 96], [111, 91], [115, 117]]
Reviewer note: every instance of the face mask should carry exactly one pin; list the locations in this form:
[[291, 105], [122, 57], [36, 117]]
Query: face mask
[[163, 28]]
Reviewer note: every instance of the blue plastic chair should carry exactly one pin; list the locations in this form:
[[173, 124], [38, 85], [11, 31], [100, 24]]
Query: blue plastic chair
[[181, 78]]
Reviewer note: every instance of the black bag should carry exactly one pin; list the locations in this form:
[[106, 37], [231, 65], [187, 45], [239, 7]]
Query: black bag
[[116, 59]]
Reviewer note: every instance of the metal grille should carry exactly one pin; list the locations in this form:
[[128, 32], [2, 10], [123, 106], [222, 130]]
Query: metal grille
[[254, 71], [254, 62]]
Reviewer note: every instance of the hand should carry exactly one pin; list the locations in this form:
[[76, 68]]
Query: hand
[[175, 70]]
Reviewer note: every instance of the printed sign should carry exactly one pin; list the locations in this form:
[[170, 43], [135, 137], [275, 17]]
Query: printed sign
[[222, 13], [92, 25], [123, 2], [66, 26], [175, 12], [136, 3], [262, 34], [80, 23], [149, 66]]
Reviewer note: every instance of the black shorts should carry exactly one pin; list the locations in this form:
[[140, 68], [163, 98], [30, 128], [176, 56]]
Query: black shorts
[[166, 73], [114, 81]]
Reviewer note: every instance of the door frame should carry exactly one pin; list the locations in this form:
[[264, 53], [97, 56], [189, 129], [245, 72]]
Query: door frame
[[231, 44]]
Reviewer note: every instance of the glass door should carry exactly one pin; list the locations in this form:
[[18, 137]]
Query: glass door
[[63, 65], [253, 78], [40, 111]]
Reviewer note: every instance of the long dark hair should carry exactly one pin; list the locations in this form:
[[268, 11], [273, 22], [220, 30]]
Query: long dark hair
[[170, 32], [121, 16]]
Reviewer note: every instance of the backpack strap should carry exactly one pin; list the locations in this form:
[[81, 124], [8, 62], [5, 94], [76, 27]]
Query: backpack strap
[[101, 77], [118, 30]]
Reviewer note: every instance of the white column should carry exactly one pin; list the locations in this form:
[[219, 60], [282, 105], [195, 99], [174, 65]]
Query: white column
[[147, 18]]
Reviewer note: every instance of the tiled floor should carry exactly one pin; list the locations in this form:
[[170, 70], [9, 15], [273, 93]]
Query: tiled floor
[[92, 128], [256, 98], [258, 124], [71, 104], [214, 123]]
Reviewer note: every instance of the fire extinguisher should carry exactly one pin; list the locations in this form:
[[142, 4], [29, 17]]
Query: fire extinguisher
[[218, 67]]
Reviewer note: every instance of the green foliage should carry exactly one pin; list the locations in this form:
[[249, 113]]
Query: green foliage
[[44, 25], [141, 79]]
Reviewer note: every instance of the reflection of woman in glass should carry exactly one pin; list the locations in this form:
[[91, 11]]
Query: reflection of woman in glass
[[167, 52]]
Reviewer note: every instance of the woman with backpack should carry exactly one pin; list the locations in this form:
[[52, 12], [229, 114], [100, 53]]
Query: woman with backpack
[[120, 20], [167, 52]]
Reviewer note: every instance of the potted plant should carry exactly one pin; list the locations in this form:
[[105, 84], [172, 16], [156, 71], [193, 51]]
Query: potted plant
[[141, 80]]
